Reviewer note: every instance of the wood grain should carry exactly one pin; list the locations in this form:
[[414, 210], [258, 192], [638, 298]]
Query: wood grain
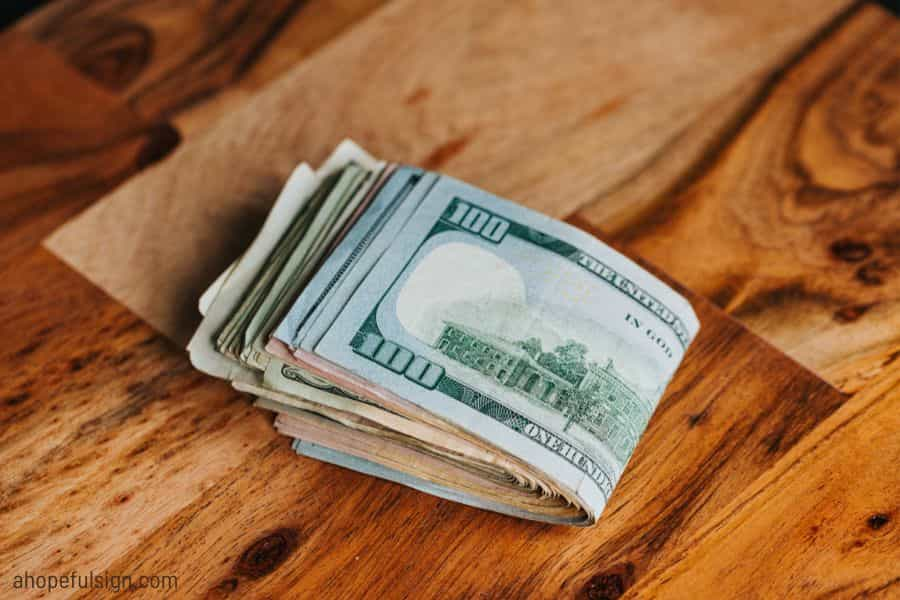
[[793, 227], [65, 142], [189, 62], [487, 91], [107, 431], [122, 458], [822, 523], [755, 477]]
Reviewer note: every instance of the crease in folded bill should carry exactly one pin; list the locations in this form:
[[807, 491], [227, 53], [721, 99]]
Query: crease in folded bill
[[408, 325]]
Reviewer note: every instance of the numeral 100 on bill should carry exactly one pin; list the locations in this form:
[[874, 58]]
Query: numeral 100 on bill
[[477, 220]]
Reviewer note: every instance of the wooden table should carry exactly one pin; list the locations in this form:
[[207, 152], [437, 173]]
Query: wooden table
[[749, 152]]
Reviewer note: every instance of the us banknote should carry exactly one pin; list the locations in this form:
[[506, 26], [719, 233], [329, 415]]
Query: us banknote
[[411, 326]]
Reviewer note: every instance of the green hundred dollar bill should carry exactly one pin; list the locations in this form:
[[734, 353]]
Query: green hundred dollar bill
[[453, 342]]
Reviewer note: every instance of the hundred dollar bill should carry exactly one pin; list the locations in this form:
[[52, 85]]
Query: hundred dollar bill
[[427, 332], [520, 329]]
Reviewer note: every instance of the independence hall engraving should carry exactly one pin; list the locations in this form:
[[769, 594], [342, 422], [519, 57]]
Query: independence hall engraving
[[597, 398]]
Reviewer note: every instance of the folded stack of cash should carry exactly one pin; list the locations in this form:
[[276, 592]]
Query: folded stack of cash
[[405, 324]]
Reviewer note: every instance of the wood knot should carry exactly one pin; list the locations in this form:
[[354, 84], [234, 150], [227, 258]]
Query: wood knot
[[80, 362], [850, 251], [161, 140], [265, 554], [849, 314], [16, 399], [697, 418], [877, 521], [113, 52], [872, 273], [610, 584]]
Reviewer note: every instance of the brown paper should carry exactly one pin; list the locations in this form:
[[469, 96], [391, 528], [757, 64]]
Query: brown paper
[[547, 105]]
